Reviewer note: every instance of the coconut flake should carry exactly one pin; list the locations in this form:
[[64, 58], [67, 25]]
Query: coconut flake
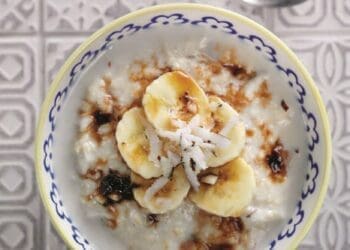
[[173, 136], [191, 175], [85, 122], [154, 142], [194, 142], [217, 139], [155, 187], [209, 179], [195, 121], [104, 129], [199, 157], [174, 158], [167, 166], [178, 123], [229, 125]]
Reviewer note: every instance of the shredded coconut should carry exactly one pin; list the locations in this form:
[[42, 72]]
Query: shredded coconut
[[194, 142], [155, 187], [210, 137], [167, 166], [155, 145], [190, 173], [228, 126]]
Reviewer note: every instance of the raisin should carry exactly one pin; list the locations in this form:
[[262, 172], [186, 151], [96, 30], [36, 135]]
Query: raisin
[[284, 105], [275, 161], [102, 118], [116, 184]]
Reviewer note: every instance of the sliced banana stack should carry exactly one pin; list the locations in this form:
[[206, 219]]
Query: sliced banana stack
[[208, 137], [226, 124], [162, 194], [232, 191], [172, 96], [133, 144]]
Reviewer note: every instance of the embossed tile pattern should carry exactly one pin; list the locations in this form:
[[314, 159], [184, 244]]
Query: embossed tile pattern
[[37, 36], [19, 16]]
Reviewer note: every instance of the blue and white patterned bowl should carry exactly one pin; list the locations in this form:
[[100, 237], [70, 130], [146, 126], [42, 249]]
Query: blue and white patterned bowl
[[55, 160]]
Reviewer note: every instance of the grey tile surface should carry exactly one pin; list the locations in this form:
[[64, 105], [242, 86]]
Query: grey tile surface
[[36, 36]]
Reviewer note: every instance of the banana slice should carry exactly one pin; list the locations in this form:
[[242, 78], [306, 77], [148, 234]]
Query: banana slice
[[174, 95], [168, 197], [226, 123], [232, 191], [133, 144]]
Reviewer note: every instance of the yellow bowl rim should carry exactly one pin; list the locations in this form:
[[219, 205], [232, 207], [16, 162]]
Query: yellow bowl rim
[[168, 7]]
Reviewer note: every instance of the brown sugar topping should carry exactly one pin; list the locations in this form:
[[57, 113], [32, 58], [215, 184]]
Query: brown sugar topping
[[227, 233], [249, 132], [231, 225], [240, 72], [222, 246], [112, 222], [227, 56], [188, 104], [144, 78], [215, 67], [236, 98], [194, 244], [228, 60], [265, 132], [263, 94]]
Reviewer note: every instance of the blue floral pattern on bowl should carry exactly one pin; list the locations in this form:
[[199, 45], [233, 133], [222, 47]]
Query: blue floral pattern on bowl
[[217, 25]]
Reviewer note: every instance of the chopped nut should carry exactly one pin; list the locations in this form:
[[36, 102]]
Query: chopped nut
[[111, 223], [192, 107], [100, 199], [114, 197], [209, 179], [93, 174]]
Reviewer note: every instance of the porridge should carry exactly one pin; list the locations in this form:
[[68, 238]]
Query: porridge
[[185, 152]]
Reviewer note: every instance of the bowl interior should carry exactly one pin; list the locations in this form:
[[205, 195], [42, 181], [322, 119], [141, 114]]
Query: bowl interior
[[185, 29]]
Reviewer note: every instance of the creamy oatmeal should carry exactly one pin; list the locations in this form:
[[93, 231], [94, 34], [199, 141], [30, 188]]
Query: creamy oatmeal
[[184, 151]]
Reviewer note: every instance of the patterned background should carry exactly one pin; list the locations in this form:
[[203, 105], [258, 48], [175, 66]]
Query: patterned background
[[36, 36]]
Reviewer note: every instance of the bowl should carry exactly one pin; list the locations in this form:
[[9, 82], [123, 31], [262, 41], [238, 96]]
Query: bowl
[[144, 30]]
